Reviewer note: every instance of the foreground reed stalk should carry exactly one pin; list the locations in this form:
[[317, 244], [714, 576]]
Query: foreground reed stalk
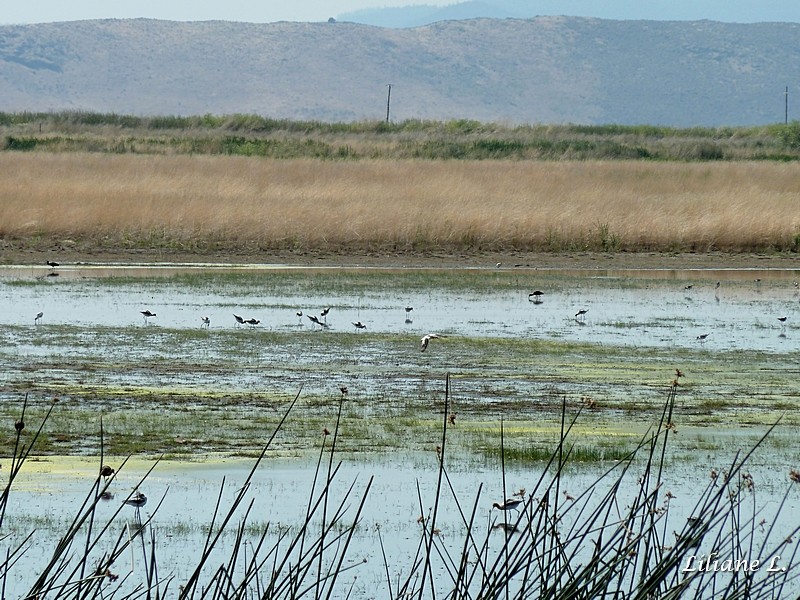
[[609, 540]]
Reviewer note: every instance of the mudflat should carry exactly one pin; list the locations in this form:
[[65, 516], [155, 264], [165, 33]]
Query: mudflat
[[345, 257]]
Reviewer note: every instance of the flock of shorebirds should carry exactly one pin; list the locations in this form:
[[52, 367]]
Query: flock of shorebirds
[[321, 321]]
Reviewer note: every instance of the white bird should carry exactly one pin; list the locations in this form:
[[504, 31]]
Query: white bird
[[580, 314], [314, 320], [206, 322], [702, 337], [147, 314], [324, 313], [38, 318], [359, 325], [426, 340], [299, 314], [253, 322]]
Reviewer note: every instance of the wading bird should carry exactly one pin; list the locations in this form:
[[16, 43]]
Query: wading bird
[[426, 339], [147, 314], [359, 325], [509, 504], [38, 318], [253, 322], [299, 314], [137, 500], [580, 315], [536, 297], [783, 320], [206, 322], [688, 287], [314, 320], [239, 320], [703, 337], [52, 264]]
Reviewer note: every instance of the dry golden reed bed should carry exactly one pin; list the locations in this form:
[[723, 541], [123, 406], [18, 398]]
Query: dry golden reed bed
[[197, 202]]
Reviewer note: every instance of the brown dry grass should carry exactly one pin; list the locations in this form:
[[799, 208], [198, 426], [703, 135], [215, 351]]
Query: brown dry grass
[[192, 202]]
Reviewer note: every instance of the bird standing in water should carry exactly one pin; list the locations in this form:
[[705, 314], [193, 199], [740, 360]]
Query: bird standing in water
[[137, 500], [509, 504]]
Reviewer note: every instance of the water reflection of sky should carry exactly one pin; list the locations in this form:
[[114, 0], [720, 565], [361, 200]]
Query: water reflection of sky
[[280, 494], [622, 309]]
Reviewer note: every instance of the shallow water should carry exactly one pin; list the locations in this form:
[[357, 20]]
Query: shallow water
[[48, 494], [629, 309]]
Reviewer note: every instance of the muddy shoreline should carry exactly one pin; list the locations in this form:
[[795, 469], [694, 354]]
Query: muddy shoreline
[[506, 260]]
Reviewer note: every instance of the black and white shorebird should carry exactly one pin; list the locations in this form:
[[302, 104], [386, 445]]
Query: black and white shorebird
[[783, 320], [315, 321], [703, 337], [299, 314], [239, 320], [359, 325], [426, 339], [38, 318], [52, 264], [324, 313], [147, 314], [205, 322], [581, 314], [408, 310], [137, 500], [252, 322], [688, 287], [509, 504], [536, 297]]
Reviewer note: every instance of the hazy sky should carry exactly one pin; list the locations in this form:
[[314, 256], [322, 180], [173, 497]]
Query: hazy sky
[[256, 11]]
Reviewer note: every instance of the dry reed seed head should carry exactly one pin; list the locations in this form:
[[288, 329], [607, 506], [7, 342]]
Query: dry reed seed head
[[19, 424], [794, 475], [678, 373], [520, 493], [747, 481], [452, 419], [343, 389], [326, 432], [671, 426]]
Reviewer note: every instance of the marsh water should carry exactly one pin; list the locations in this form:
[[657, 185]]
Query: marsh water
[[84, 307]]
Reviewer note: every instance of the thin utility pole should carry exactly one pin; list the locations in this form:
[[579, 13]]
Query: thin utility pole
[[389, 100], [786, 106]]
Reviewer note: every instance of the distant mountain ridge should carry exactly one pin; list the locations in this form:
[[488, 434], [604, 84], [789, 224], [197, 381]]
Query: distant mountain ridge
[[728, 11], [541, 70]]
